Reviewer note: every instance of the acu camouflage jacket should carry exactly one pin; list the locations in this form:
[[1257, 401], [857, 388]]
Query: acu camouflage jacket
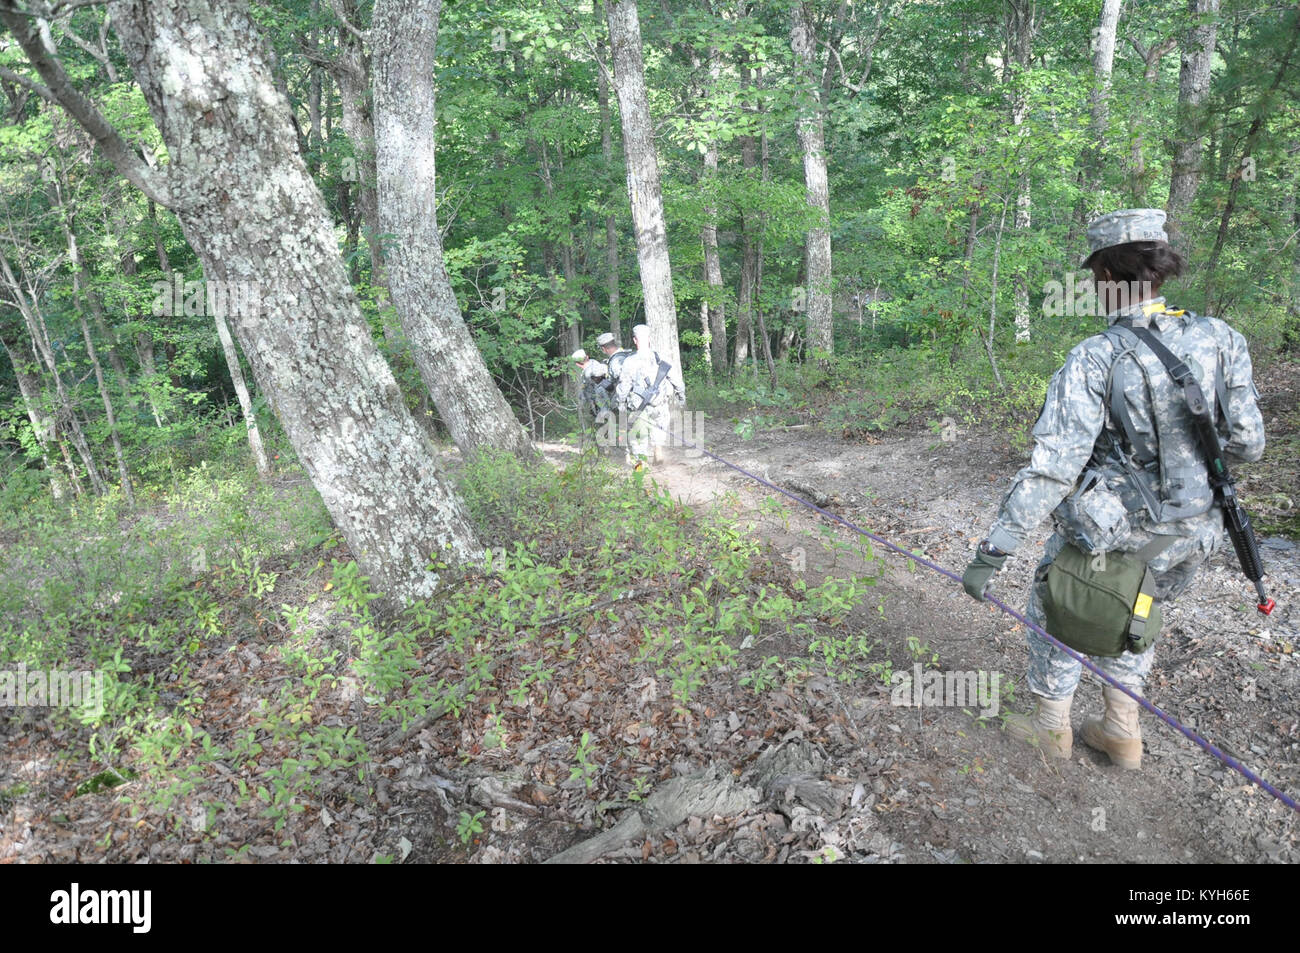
[[1079, 442]]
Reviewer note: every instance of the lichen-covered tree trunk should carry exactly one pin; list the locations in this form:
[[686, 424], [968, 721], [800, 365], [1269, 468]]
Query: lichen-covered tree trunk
[[249, 208], [812, 143], [350, 69], [405, 39], [644, 194], [1189, 142]]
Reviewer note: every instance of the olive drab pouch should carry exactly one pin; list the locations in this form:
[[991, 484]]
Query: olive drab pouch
[[1094, 517], [1104, 604]]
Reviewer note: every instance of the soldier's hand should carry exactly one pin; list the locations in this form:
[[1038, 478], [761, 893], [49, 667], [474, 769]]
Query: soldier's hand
[[980, 573]]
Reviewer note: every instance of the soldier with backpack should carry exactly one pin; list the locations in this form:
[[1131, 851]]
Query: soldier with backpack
[[645, 389], [1119, 463], [614, 358], [593, 397]]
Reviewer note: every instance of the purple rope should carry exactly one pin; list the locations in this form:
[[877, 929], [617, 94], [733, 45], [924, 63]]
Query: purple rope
[[1086, 662]]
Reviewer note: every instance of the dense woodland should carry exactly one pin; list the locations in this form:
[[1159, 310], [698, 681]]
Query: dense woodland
[[292, 285]]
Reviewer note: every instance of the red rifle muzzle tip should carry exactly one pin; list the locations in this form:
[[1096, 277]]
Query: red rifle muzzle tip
[[1266, 606]]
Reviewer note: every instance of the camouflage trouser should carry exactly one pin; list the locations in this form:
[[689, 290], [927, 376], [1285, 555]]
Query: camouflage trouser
[[1053, 673], [593, 401], [649, 429]]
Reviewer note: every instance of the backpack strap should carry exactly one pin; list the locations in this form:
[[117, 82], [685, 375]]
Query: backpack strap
[[1132, 459], [1220, 385]]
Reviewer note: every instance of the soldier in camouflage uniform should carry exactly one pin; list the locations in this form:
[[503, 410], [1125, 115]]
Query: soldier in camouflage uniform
[[1117, 464], [614, 358], [648, 422], [593, 399]]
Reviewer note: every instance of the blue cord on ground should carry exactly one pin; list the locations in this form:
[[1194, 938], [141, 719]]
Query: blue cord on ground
[[1085, 661]]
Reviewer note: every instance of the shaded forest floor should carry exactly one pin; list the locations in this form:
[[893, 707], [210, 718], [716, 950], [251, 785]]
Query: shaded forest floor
[[682, 734]]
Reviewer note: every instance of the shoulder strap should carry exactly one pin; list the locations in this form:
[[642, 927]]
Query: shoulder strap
[[1116, 401], [1220, 386], [1178, 370], [1131, 459]]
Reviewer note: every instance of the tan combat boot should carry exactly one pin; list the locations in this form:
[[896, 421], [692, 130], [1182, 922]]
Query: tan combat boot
[[1048, 727], [1118, 733]]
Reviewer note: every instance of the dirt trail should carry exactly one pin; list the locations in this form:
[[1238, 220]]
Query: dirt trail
[[940, 786]]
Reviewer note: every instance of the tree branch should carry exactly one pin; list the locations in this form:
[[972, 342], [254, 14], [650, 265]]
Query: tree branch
[[148, 180], [31, 84]]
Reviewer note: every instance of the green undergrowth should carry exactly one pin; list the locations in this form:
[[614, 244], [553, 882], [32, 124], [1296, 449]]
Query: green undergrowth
[[249, 671], [857, 395]]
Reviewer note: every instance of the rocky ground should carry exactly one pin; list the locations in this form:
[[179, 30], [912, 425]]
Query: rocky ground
[[942, 786]]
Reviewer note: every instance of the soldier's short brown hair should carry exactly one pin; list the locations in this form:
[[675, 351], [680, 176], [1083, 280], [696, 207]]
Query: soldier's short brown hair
[[1146, 262]]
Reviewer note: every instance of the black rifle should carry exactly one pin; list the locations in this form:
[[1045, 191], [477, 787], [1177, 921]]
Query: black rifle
[[647, 398], [1235, 517]]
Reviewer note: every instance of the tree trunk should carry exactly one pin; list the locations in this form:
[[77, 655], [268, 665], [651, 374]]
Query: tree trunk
[[144, 345], [765, 176], [351, 70], [241, 394], [1193, 86], [811, 142], [67, 420], [1020, 35], [124, 478], [968, 261], [405, 38], [749, 247], [29, 388], [1263, 108], [993, 298], [250, 210], [1138, 177], [314, 91], [569, 333], [573, 326], [611, 230], [713, 316], [1103, 62], [84, 296], [643, 189]]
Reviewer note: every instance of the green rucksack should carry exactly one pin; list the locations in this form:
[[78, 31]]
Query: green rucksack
[[1104, 604]]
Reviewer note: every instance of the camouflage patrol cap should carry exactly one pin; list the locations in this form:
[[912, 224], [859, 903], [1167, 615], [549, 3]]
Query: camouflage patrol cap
[[604, 339], [642, 332], [579, 355], [1126, 225]]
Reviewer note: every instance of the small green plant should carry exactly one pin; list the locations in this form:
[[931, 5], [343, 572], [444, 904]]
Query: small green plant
[[640, 788], [828, 855], [469, 825], [768, 675], [922, 652], [585, 769]]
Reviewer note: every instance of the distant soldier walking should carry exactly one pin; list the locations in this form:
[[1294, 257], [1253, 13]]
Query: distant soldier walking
[[1118, 463], [646, 390], [593, 399]]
